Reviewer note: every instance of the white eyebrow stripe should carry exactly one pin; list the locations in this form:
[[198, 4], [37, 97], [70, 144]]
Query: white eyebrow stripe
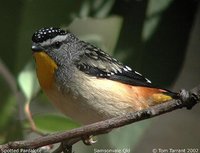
[[46, 43], [59, 38], [51, 41]]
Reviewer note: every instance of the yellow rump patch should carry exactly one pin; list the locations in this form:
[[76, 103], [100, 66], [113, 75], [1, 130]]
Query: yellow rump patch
[[160, 97]]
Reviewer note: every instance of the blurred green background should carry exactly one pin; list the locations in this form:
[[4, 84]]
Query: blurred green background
[[158, 38]]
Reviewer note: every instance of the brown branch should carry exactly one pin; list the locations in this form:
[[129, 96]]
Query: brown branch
[[189, 99], [12, 83]]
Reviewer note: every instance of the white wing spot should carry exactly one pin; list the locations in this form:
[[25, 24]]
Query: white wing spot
[[128, 68], [100, 51], [114, 69], [125, 69], [138, 73], [148, 80]]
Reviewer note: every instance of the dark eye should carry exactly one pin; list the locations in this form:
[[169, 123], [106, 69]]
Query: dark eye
[[57, 45]]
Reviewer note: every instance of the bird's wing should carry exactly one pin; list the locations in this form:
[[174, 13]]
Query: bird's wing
[[96, 62]]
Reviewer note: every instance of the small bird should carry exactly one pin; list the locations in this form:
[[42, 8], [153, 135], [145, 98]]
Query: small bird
[[87, 84]]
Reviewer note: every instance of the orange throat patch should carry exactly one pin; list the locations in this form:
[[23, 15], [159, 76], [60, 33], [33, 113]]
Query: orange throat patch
[[45, 67]]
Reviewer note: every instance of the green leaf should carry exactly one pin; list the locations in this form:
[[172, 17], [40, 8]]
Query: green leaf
[[52, 123], [28, 81], [101, 32]]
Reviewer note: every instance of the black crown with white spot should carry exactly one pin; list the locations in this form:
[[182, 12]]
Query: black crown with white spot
[[47, 33]]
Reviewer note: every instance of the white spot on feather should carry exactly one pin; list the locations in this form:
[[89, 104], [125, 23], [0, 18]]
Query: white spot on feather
[[138, 73], [125, 69], [114, 69], [128, 68], [148, 80]]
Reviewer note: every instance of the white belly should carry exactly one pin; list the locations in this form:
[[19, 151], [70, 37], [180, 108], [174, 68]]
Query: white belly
[[92, 102], [74, 107], [88, 99]]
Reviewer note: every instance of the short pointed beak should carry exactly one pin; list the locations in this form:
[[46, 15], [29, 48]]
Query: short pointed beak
[[36, 48]]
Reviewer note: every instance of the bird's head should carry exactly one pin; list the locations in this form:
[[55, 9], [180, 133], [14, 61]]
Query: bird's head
[[62, 46]]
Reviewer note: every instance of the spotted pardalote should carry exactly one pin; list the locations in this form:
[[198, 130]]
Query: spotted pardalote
[[87, 84]]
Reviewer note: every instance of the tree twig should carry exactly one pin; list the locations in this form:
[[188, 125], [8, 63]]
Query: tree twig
[[12, 83], [188, 99]]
